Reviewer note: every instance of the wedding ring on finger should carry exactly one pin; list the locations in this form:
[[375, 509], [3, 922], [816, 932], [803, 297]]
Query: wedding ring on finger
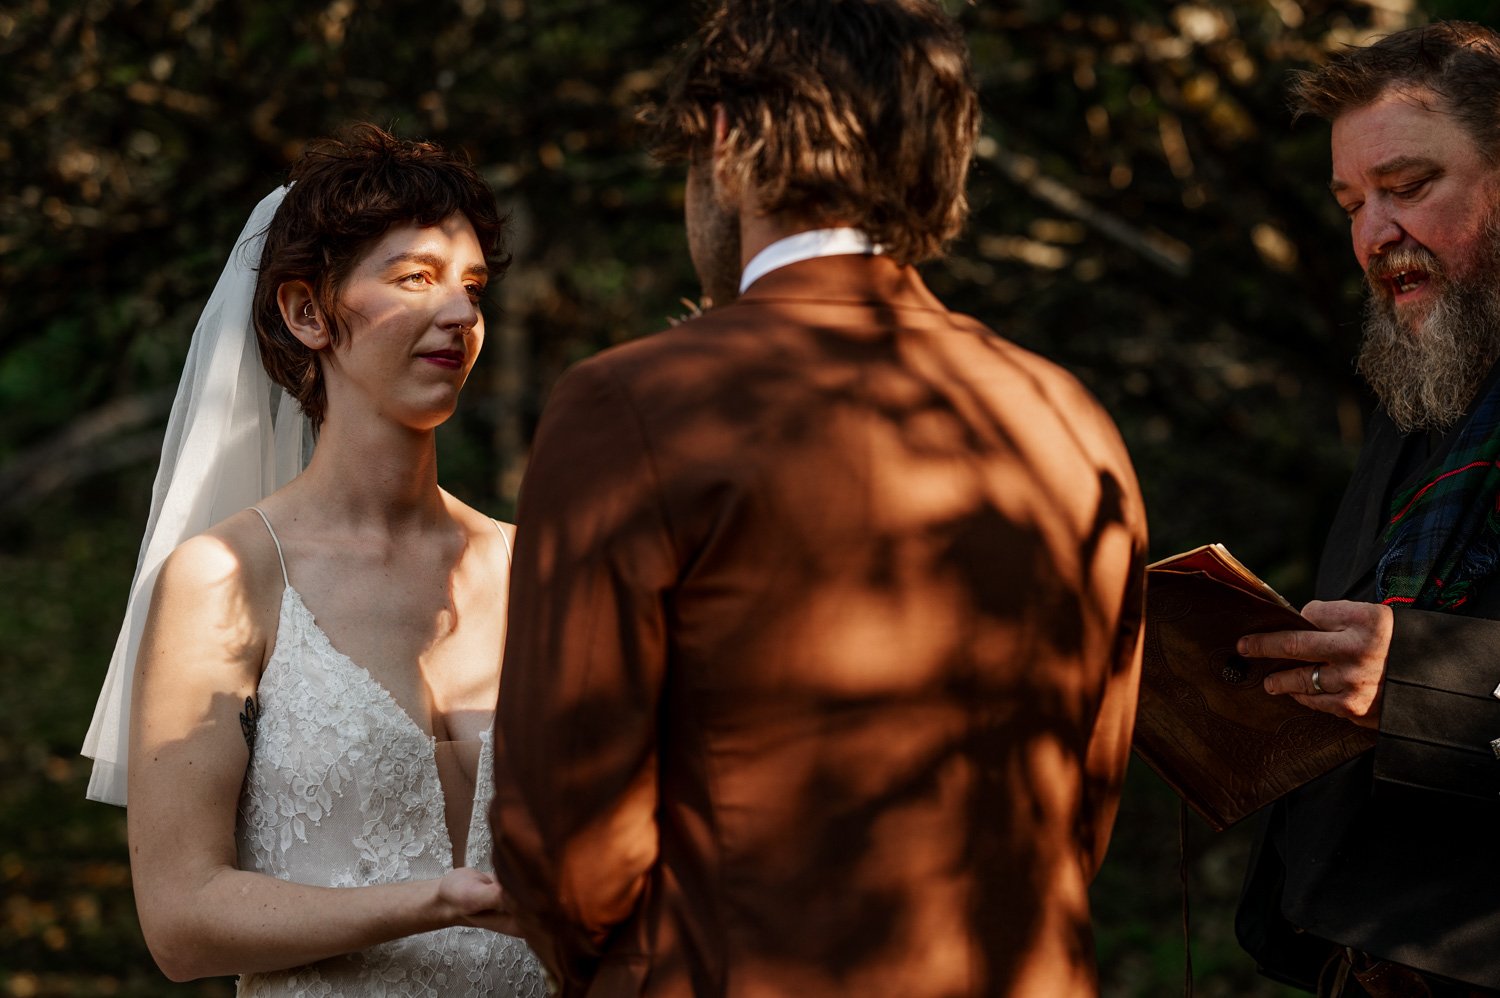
[[1317, 679]]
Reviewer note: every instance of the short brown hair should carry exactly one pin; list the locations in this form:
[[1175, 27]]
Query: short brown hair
[[860, 112], [346, 192], [1458, 61]]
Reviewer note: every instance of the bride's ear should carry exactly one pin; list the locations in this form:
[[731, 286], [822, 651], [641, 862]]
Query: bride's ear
[[300, 312]]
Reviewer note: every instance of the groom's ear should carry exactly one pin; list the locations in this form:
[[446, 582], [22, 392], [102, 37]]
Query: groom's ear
[[300, 312], [726, 180]]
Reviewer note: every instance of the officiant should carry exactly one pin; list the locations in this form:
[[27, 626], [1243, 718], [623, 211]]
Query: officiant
[[1382, 878]]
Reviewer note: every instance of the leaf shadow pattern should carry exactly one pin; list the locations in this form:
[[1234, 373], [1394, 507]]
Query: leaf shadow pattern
[[900, 588]]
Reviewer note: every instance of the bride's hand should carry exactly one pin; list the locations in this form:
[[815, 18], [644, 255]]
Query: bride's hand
[[475, 898]]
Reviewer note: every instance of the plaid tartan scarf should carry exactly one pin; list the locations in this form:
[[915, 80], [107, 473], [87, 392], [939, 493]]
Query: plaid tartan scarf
[[1443, 536]]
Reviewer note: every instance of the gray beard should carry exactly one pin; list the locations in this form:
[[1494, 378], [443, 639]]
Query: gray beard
[[1426, 378]]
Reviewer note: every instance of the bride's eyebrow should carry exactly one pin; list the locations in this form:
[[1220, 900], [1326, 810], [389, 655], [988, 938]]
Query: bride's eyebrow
[[437, 262], [429, 259]]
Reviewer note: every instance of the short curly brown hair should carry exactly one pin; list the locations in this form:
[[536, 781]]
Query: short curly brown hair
[[1458, 61], [346, 192], [860, 112]]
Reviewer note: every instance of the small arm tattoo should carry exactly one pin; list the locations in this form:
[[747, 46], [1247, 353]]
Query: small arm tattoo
[[249, 717]]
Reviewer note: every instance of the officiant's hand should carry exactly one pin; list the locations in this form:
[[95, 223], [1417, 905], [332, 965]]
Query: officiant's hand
[[1349, 652], [475, 898]]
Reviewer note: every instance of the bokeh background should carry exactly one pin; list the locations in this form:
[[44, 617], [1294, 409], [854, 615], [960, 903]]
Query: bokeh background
[[1145, 213]]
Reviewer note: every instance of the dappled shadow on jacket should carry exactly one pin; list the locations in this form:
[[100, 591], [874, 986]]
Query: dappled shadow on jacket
[[823, 652]]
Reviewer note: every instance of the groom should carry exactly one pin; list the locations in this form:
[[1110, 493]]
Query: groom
[[824, 639]]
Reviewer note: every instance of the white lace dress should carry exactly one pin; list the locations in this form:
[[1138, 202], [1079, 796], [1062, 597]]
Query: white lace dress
[[343, 791]]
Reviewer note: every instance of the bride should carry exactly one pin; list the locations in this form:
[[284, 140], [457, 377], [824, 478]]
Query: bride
[[308, 736]]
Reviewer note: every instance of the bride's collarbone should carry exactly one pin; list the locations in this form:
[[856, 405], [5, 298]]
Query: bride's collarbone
[[426, 590], [431, 639]]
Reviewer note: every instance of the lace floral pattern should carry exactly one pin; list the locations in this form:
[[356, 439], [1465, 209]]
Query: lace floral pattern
[[343, 791]]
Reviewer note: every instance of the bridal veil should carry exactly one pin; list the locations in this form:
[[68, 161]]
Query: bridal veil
[[225, 449]]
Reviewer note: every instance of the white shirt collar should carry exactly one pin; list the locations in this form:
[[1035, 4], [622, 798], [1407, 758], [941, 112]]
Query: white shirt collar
[[807, 246]]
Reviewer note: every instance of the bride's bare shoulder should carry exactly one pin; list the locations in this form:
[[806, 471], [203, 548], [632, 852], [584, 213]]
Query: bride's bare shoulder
[[235, 559], [484, 530]]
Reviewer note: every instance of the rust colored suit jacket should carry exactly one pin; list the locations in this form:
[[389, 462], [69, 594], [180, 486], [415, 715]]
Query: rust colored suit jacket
[[822, 656]]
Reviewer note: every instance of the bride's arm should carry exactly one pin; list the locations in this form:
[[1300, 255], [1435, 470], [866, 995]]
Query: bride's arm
[[200, 659]]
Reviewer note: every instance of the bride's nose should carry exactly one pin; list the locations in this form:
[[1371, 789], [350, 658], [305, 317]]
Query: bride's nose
[[459, 310]]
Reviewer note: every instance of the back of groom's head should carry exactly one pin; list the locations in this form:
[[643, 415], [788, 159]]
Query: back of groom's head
[[848, 112]]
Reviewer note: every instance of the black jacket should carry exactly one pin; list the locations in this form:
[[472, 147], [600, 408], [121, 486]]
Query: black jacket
[[1396, 853]]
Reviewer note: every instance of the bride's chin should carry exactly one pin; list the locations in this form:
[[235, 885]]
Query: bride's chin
[[426, 419]]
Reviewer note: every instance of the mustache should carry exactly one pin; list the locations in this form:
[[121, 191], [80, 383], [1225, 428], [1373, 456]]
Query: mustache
[[1399, 260]]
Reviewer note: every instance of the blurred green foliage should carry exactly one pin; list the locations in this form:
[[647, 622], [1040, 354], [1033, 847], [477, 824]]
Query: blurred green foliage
[[1144, 213]]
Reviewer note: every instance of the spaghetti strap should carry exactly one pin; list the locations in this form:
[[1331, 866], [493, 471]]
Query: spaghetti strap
[[503, 537], [277, 541]]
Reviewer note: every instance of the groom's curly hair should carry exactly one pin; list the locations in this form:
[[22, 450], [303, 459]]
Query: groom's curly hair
[[852, 112], [346, 192]]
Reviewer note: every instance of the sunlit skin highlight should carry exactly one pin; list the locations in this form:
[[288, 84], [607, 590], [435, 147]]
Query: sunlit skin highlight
[[413, 327]]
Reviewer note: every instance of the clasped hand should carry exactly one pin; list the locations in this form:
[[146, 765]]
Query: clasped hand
[[475, 898], [1350, 653]]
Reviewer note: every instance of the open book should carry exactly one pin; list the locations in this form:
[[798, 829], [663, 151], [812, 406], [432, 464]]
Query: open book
[[1205, 723]]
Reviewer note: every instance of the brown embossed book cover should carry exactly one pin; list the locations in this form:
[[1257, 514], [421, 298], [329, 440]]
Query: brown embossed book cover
[[1204, 723]]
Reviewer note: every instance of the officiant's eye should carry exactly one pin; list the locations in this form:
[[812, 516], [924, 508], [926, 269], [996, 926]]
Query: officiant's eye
[[420, 277]]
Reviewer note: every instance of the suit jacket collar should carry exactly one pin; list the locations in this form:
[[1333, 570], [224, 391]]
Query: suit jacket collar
[[852, 279], [1353, 548]]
